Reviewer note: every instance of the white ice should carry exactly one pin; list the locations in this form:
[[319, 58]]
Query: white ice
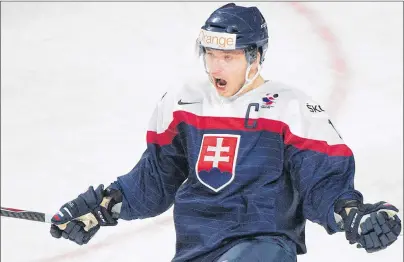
[[79, 81]]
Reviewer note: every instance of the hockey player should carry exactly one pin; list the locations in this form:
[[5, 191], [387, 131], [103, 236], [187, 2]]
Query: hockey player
[[245, 162]]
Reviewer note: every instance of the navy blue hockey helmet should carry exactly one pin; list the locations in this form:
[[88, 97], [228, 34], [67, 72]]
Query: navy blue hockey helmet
[[235, 27]]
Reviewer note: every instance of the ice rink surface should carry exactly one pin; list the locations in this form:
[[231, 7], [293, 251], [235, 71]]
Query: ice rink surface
[[79, 82]]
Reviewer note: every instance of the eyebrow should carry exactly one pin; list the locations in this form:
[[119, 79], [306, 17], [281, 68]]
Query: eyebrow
[[235, 52], [232, 51]]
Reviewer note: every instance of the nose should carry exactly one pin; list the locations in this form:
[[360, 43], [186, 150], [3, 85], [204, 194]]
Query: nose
[[216, 71], [216, 68]]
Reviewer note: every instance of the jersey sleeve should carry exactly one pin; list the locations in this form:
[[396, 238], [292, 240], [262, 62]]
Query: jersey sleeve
[[322, 165], [149, 188]]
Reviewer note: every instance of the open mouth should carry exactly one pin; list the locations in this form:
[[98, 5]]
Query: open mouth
[[220, 83]]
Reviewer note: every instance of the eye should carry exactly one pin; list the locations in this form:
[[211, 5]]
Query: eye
[[228, 57]]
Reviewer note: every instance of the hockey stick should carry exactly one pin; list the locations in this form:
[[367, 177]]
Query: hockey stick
[[89, 219], [25, 214]]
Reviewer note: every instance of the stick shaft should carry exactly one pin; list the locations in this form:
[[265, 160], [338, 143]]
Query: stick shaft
[[25, 214]]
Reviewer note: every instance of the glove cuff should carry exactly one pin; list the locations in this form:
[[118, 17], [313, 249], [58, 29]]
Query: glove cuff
[[340, 205], [347, 220], [101, 202], [112, 199], [107, 213]]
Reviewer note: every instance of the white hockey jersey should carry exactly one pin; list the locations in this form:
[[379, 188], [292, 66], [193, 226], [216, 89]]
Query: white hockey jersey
[[259, 164]]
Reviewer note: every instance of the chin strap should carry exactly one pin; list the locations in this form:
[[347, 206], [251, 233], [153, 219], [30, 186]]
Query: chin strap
[[247, 81]]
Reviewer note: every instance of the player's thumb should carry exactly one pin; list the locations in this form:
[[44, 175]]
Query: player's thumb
[[85, 203], [68, 212]]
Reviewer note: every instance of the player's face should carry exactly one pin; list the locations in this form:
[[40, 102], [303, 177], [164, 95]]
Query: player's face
[[227, 70]]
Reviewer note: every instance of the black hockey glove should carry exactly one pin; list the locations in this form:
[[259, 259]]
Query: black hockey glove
[[372, 226], [80, 219]]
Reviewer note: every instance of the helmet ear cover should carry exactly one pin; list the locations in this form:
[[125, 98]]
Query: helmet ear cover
[[251, 54]]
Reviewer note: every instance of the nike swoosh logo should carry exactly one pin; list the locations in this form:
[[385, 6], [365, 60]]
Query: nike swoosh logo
[[186, 103]]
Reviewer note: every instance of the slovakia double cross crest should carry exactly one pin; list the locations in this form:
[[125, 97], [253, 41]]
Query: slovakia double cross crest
[[217, 159]]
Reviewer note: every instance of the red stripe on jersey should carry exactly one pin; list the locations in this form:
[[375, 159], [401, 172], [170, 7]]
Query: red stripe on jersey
[[238, 124], [316, 145]]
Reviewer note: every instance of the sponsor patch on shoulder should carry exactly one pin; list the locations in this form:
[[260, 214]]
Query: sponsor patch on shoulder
[[314, 108]]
